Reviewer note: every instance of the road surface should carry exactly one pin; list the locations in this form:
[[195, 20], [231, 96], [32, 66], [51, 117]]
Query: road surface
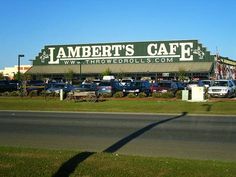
[[180, 136]]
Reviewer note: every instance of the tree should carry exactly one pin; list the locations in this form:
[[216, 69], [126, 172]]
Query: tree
[[181, 74], [69, 75], [121, 75], [107, 72], [26, 77], [1, 76]]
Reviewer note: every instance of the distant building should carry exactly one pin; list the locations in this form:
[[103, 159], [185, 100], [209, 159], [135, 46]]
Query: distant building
[[11, 71]]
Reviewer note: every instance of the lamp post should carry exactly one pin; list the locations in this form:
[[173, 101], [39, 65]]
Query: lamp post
[[80, 69], [18, 70]]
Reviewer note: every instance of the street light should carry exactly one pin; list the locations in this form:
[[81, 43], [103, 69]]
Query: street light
[[18, 72], [80, 68]]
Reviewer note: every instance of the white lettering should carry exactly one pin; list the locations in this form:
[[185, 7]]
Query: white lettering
[[169, 60], [106, 51], [115, 61], [117, 49], [109, 61], [173, 48], [162, 50], [152, 49], [86, 50], [186, 51], [103, 61], [126, 60], [96, 51], [74, 52], [129, 50], [92, 61], [61, 53], [51, 61]]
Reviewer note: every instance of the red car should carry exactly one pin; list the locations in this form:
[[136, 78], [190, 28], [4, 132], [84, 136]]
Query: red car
[[167, 86], [154, 87]]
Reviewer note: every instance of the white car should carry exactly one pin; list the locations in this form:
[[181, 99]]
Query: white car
[[222, 88]]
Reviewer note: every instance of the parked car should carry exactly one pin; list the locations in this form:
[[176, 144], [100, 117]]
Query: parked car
[[153, 87], [15, 83], [109, 87], [222, 88], [56, 87], [137, 87], [37, 85], [6, 86], [195, 83], [126, 80], [86, 87], [180, 85], [207, 83], [167, 86], [96, 81]]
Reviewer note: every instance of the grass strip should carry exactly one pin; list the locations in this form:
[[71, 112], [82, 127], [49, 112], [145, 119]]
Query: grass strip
[[26, 162], [113, 105]]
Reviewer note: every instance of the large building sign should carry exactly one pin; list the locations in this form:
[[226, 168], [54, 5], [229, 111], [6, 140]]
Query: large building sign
[[124, 53]]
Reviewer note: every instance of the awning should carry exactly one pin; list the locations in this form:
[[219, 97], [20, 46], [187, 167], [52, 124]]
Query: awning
[[194, 67]]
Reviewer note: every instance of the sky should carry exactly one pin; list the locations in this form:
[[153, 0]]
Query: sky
[[26, 26]]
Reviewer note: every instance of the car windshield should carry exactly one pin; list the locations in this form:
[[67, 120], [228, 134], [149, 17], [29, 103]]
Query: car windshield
[[105, 84], [206, 82], [33, 82], [126, 80], [85, 86], [59, 86], [193, 82], [155, 85], [135, 84], [220, 83]]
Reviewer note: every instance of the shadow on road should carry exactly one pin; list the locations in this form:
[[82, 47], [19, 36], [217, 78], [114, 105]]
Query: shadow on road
[[69, 166]]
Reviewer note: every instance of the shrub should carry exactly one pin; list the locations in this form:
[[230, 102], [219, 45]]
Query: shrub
[[5, 94], [163, 95], [55, 94], [178, 94], [33, 93], [131, 95], [156, 95], [14, 93], [206, 96], [142, 95], [43, 93], [167, 95], [118, 95], [106, 95]]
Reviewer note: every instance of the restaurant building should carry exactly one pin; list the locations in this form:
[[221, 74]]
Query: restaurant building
[[152, 59]]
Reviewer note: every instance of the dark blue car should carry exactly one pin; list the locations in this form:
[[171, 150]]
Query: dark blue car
[[137, 87]]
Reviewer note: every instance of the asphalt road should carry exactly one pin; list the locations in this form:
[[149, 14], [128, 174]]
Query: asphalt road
[[181, 136]]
